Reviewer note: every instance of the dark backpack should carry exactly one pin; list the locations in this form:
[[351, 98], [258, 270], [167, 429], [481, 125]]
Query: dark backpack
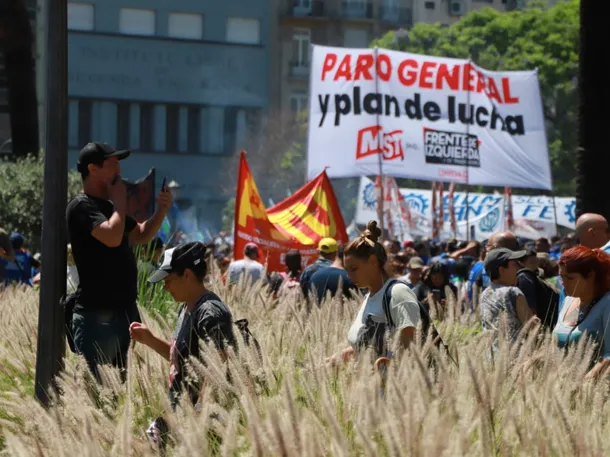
[[547, 300], [428, 328]]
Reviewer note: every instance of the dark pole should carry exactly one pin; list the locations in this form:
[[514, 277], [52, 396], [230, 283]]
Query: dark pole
[[51, 338], [593, 158]]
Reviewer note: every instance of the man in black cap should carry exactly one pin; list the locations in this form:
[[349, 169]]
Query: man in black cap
[[101, 232]]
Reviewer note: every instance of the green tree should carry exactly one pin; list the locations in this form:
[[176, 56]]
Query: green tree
[[21, 196], [541, 37]]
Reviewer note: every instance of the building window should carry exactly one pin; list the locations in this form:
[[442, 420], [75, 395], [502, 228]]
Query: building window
[[171, 127], [301, 39], [302, 7], [80, 16], [186, 26], [298, 102], [243, 30], [355, 8], [135, 21], [430, 5], [355, 38], [84, 121], [146, 127], [193, 134], [123, 124]]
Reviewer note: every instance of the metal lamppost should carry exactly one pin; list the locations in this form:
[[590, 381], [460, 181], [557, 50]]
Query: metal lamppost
[[51, 335]]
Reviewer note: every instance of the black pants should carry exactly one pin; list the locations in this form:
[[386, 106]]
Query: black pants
[[102, 337]]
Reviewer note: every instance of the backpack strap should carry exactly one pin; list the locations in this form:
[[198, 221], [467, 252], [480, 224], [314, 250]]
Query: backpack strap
[[426, 320], [423, 312], [387, 297]]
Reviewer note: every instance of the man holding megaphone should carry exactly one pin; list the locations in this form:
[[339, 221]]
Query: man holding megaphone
[[101, 233]]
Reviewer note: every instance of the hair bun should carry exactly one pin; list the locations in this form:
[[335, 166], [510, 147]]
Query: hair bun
[[372, 232]]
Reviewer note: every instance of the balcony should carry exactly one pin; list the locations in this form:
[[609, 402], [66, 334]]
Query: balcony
[[402, 17], [299, 70], [357, 9], [306, 9]]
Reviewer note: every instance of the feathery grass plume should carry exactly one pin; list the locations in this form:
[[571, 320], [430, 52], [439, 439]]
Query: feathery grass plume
[[530, 400]]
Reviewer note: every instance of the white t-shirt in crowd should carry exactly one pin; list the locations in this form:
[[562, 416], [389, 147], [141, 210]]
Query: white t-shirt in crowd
[[404, 310], [249, 267]]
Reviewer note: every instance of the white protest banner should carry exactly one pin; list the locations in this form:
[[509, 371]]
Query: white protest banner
[[533, 215], [540, 209], [486, 212], [422, 117]]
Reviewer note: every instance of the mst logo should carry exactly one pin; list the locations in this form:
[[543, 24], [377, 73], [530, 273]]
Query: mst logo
[[372, 141]]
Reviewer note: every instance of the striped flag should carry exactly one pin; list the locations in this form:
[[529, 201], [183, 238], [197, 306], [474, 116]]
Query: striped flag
[[298, 222]]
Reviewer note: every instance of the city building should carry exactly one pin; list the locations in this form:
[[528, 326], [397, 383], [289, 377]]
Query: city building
[[179, 83], [5, 122], [352, 23]]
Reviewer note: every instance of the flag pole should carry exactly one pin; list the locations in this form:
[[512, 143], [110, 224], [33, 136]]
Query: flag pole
[[468, 159], [381, 197], [555, 212]]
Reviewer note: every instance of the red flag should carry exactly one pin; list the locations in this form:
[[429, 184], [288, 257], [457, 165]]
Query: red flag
[[299, 222]]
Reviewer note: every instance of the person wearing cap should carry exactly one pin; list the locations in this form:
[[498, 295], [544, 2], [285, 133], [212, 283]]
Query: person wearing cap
[[415, 272], [327, 248], [249, 266], [202, 316], [503, 300], [333, 280], [100, 233]]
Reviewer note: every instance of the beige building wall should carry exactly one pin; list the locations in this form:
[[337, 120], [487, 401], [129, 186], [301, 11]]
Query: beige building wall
[[349, 23]]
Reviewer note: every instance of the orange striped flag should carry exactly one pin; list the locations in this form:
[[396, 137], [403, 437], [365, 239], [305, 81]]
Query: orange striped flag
[[298, 222]]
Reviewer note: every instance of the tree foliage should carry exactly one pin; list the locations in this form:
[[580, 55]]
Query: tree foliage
[[22, 196], [541, 37]]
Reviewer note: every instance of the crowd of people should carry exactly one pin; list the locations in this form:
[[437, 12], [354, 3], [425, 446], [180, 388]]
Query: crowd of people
[[562, 284]]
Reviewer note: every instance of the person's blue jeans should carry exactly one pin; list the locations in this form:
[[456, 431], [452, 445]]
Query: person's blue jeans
[[102, 337]]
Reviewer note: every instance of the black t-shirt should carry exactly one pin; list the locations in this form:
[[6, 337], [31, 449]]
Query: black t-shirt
[[211, 321], [108, 276]]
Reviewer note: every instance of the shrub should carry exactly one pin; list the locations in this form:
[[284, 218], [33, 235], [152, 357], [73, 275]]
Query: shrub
[[22, 196]]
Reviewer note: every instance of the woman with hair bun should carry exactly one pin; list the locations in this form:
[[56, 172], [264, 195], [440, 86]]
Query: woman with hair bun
[[586, 310], [365, 260]]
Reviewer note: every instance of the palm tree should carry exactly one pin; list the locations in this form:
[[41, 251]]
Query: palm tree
[[16, 45], [593, 157]]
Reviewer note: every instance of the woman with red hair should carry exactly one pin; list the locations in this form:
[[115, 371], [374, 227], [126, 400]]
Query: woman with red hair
[[586, 310]]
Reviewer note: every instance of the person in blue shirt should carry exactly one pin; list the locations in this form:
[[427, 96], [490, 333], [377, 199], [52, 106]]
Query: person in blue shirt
[[585, 274], [333, 279], [593, 232], [327, 247], [20, 270]]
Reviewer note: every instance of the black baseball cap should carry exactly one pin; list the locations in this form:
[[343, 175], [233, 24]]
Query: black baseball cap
[[98, 152], [178, 259], [499, 257]]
